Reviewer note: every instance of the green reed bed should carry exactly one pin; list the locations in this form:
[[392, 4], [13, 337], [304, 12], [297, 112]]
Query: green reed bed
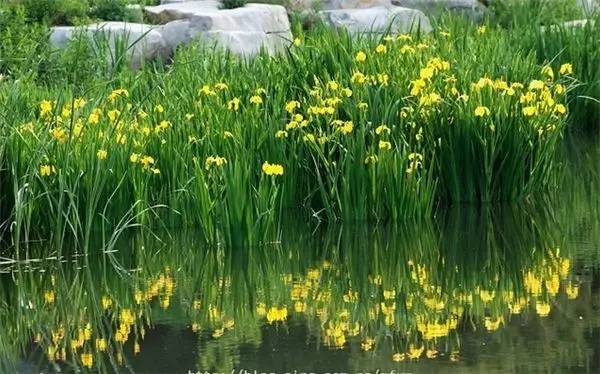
[[344, 128], [510, 13], [574, 41], [582, 46]]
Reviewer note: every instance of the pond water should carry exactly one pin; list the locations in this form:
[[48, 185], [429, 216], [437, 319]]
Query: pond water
[[489, 289]]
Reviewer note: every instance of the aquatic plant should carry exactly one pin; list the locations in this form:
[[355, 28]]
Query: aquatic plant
[[345, 128], [577, 43]]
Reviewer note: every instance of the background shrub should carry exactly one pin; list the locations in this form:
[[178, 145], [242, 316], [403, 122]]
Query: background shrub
[[57, 12], [111, 10], [511, 13], [232, 4], [24, 45]]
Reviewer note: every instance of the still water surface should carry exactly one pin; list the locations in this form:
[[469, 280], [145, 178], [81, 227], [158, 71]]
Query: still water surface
[[494, 289]]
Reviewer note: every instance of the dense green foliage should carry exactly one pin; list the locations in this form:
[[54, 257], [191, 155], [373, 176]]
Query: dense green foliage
[[581, 45], [418, 121], [232, 4], [24, 48], [519, 13], [111, 10], [558, 32], [74, 12], [57, 12], [344, 128]]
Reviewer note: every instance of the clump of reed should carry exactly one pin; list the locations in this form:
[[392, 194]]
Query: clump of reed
[[560, 31], [347, 128]]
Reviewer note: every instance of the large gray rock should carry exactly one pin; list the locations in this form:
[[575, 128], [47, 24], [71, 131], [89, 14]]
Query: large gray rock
[[472, 9], [349, 4], [252, 17], [142, 42], [244, 43], [243, 31], [569, 25], [377, 19], [578, 23], [305, 7]]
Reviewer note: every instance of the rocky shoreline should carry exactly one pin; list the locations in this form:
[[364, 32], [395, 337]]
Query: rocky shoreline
[[247, 30]]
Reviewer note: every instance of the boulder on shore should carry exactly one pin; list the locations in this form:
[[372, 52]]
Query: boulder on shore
[[377, 20], [140, 41], [243, 30], [472, 9]]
